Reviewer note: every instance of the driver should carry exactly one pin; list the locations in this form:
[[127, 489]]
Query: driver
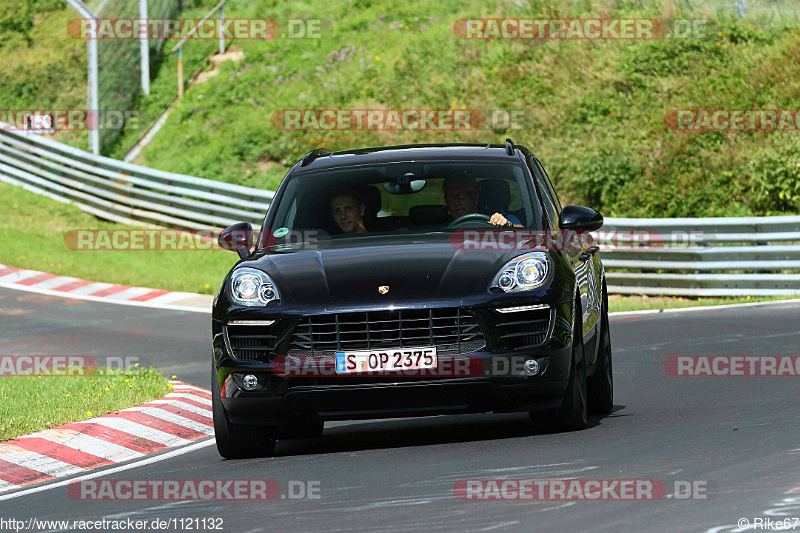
[[461, 197], [348, 210]]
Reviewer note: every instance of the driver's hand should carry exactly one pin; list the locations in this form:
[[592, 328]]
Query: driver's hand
[[498, 220]]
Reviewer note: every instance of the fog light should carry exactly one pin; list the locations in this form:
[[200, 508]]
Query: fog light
[[250, 382], [531, 367]]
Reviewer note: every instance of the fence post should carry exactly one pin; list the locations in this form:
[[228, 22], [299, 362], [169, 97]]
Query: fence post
[[221, 32], [741, 8], [180, 72], [92, 90], [144, 47]]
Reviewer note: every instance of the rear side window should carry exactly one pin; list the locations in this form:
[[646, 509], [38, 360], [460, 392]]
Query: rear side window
[[549, 198]]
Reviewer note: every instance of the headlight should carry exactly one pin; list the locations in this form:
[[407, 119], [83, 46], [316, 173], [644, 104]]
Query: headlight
[[250, 286], [523, 273]]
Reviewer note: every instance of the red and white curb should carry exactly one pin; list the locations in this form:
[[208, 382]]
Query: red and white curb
[[182, 416], [46, 283]]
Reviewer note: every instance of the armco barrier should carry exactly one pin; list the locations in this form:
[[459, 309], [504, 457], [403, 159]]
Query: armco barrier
[[123, 192], [724, 256], [718, 257]]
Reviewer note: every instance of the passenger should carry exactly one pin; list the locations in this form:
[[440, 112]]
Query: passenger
[[461, 197], [348, 209]]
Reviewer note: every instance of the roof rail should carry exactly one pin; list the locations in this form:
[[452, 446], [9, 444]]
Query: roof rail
[[313, 154], [510, 147]]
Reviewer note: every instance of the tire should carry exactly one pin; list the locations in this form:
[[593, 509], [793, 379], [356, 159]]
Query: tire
[[601, 384], [308, 428], [237, 441], [572, 414]]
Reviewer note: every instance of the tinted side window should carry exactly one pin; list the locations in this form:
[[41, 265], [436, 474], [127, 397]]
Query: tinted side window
[[551, 205], [550, 187]]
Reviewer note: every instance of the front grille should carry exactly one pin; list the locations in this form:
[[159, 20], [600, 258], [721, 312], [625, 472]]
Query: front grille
[[452, 330], [524, 329], [251, 342]]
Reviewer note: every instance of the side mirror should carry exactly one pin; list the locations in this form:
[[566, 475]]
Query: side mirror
[[580, 218], [237, 238]]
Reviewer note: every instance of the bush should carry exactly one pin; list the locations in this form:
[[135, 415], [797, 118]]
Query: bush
[[774, 174]]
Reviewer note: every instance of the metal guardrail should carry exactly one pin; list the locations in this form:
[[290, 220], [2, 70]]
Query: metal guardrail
[[123, 192], [682, 257], [704, 256]]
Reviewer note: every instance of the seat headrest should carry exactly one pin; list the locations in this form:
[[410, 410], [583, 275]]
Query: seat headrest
[[428, 215], [372, 200], [495, 195]]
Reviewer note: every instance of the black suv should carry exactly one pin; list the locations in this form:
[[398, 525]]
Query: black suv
[[410, 281]]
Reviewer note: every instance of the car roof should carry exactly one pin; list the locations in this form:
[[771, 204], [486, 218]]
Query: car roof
[[323, 159]]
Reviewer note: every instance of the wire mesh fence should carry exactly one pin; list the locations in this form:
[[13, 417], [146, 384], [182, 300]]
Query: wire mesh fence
[[119, 64]]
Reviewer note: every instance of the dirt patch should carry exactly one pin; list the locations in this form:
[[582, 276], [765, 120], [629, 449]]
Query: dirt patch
[[234, 54]]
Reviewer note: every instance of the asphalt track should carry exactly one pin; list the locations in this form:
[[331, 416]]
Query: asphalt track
[[740, 436]]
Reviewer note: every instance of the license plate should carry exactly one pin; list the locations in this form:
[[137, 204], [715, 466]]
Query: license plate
[[391, 360]]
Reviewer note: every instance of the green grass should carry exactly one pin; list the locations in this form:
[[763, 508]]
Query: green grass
[[32, 233], [33, 403], [597, 107]]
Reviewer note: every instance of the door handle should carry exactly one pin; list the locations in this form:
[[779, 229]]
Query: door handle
[[589, 252]]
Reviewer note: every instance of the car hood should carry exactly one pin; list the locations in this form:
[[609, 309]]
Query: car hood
[[377, 271]]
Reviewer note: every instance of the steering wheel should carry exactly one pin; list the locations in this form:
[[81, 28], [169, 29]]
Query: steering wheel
[[470, 217]]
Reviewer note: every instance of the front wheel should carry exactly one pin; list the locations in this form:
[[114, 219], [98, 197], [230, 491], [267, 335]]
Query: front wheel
[[237, 441], [571, 415], [601, 384]]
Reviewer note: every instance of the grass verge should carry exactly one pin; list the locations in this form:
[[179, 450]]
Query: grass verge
[[32, 236], [32, 403]]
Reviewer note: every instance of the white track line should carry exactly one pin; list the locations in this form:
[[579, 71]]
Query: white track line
[[104, 472], [103, 299]]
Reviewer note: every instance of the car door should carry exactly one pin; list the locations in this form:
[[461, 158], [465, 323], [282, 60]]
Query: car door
[[586, 265]]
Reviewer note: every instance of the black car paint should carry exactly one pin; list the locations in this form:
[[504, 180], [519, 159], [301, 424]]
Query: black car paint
[[423, 271]]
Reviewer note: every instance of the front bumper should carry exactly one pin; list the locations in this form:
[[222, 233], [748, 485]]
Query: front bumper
[[490, 380]]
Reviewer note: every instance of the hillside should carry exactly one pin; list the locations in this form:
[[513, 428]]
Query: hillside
[[596, 108]]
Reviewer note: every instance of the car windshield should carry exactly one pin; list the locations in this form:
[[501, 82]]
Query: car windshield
[[403, 198]]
